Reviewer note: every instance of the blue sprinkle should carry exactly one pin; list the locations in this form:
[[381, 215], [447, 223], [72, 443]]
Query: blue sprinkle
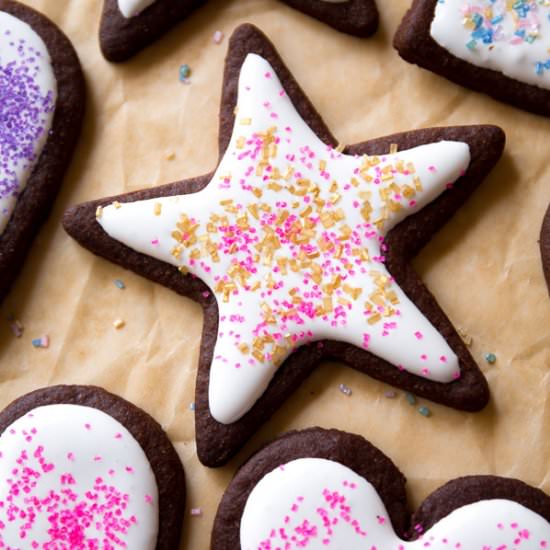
[[185, 72], [119, 284], [424, 411], [191, 406], [491, 358], [411, 399], [539, 68], [471, 45], [37, 342]]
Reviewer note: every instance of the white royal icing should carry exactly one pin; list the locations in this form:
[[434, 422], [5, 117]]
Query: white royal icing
[[288, 235], [319, 504], [28, 92], [509, 37], [130, 8], [74, 477]]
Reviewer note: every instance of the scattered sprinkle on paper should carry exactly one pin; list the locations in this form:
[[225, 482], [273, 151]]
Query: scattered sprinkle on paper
[[411, 399], [491, 358], [16, 326], [346, 390], [118, 323], [191, 406], [196, 512], [119, 283], [170, 156], [466, 338], [42, 342], [424, 411], [185, 73]]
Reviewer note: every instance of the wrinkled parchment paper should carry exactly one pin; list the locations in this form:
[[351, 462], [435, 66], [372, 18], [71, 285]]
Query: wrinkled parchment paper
[[484, 267]]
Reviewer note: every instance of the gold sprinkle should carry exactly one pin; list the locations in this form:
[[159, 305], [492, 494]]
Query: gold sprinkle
[[243, 348], [118, 323], [170, 156], [157, 209], [246, 121], [340, 147], [393, 148], [99, 212], [373, 319], [117, 205]]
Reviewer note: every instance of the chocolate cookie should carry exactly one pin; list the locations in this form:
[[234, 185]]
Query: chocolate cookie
[[41, 111], [545, 246], [329, 489], [84, 468], [128, 26], [498, 48], [304, 247]]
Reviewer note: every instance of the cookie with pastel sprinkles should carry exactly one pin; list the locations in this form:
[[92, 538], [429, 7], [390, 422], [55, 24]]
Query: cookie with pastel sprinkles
[[41, 110], [128, 26], [298, 249], [83, 468], [495, 47], [326, 489]]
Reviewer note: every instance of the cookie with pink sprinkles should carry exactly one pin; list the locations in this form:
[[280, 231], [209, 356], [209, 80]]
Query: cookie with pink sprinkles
[[83, 469], [326, 489], [41, 110], [128, 26], [298, 248]]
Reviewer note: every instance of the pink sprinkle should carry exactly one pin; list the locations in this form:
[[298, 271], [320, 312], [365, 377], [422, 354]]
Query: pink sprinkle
[[217, 37], [418, 335], [196, 512]]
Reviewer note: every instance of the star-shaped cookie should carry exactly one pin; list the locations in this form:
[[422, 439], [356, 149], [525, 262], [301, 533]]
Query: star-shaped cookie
[[304, 248], [128, 26]]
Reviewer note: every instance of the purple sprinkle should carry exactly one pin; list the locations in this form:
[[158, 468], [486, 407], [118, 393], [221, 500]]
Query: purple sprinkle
[[23, 112]]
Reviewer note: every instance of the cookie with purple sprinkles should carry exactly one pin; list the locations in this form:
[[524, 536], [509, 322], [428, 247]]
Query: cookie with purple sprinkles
[[299, 248], [327, 489], [492, 46], [83, 468], [41, 109], [128, 26]]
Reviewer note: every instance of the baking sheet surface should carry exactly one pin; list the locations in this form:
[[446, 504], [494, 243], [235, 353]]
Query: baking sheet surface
[[145, 128]]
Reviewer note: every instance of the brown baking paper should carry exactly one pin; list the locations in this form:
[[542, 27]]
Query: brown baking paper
[[484, 267]]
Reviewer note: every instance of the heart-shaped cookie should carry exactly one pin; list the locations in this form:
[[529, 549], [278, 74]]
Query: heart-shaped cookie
[[496, 47], [81, 468], [128, 26], [41, 110], [322, 489]]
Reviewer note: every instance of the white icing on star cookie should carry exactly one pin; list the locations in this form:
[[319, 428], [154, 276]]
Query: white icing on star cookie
[[28, 92], [289, 236], [130, 8], [510, 37], [320, 504], [74, 477]]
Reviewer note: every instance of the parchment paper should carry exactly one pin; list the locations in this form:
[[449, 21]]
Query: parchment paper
[[484, 267]]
